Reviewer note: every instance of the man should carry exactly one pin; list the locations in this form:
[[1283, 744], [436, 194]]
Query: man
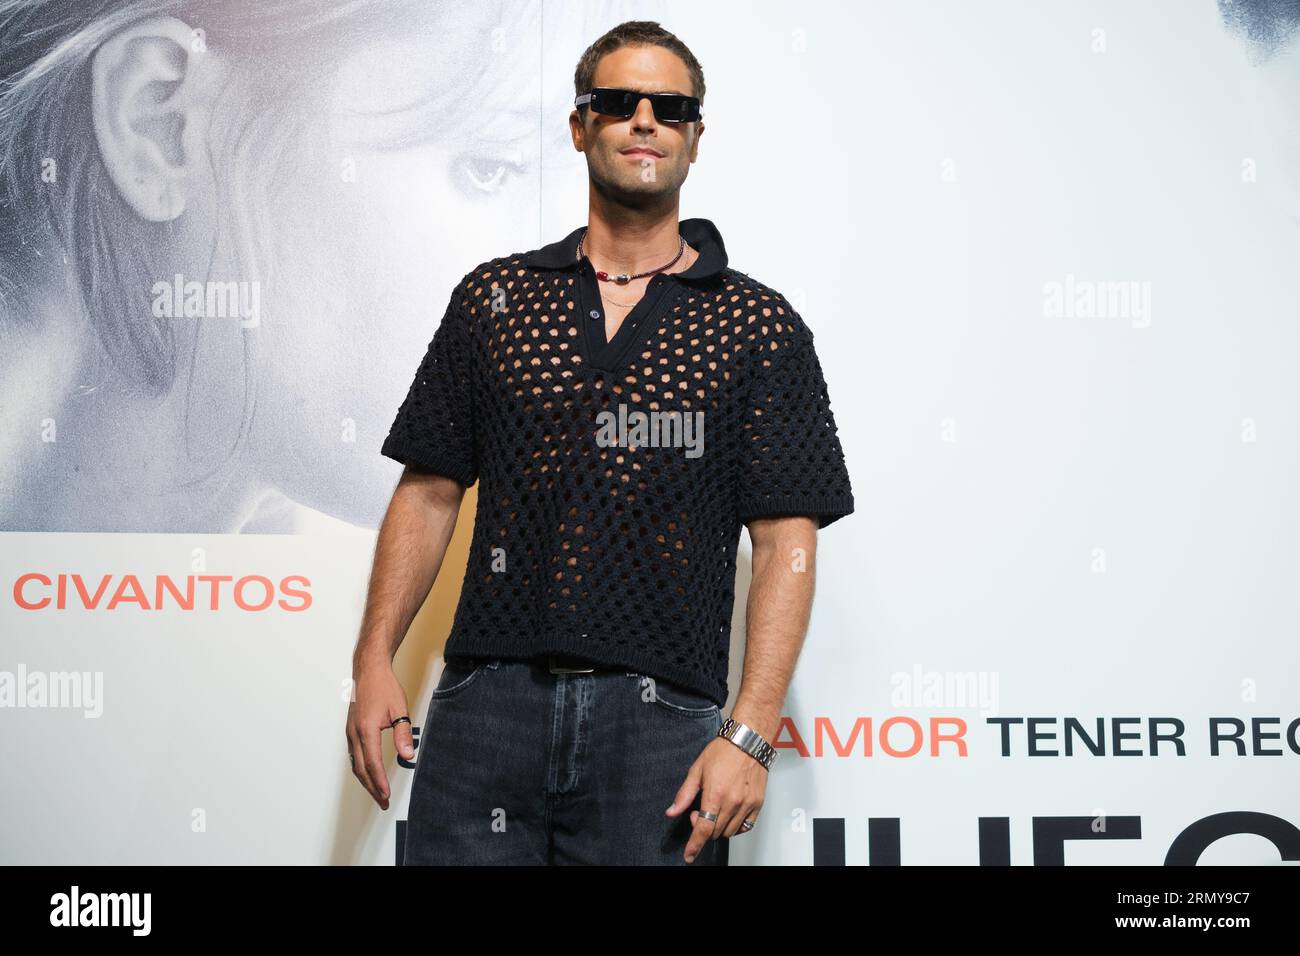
[[628, 401]]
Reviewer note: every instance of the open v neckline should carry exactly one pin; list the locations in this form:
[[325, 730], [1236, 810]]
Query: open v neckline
[[608, 356]]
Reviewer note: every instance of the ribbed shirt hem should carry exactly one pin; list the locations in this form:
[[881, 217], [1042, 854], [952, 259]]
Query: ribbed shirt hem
[[423, 461], [827, 509]]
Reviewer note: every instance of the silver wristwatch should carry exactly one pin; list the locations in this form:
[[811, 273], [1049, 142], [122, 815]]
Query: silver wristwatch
[[748, 740]]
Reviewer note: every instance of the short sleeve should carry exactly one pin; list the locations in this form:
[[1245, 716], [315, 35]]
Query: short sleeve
[[791, 459], [434, 428]]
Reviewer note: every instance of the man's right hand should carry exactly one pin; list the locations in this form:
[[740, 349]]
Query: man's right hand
[[378, 700]]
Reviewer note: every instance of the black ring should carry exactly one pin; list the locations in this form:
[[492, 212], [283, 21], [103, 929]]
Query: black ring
[[399, 720]]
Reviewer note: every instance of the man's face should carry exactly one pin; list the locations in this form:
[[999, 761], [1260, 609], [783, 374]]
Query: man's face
[[638, 158]]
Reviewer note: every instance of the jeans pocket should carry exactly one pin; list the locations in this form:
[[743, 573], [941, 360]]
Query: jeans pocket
[[675, 698], [456, 675]]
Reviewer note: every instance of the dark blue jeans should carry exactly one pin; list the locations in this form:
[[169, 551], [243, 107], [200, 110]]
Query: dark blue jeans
[[519, 765]]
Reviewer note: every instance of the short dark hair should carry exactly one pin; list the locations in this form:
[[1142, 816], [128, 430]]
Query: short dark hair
[[634, 33], [1266, 25]]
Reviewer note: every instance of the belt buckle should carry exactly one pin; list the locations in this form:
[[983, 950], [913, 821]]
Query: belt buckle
[[561, 669]]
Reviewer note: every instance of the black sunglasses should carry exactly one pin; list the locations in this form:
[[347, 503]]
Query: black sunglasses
[[668, 107]]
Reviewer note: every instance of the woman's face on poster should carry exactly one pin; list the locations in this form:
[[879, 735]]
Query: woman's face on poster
[[399, 226], [412, 155]]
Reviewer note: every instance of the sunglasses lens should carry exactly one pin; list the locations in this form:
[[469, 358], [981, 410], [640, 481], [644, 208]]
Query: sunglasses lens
[[668, 107], [676, 109], [613, 102]]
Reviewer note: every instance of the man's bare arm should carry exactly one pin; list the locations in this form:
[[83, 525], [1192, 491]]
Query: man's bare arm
[[412, 543], [732, 783], [776, 618], [409, 551]]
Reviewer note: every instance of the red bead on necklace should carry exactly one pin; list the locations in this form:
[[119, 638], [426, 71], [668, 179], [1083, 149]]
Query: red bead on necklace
[[623, 277]]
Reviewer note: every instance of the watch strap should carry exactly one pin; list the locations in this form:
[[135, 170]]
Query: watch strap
[[748, 740]]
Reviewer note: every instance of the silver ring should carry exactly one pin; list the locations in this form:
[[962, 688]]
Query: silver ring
[[709, 815], [747, 826]]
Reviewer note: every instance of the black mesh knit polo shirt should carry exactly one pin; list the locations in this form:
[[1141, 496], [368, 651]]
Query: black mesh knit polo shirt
[[614, 477]]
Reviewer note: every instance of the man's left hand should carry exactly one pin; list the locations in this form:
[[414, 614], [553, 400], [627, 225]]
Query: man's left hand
[[732, 783]]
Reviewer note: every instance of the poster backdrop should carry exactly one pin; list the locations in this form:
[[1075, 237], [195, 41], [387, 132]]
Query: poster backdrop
[[1062, 624]]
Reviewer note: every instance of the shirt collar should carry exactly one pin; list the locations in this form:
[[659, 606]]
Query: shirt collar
[[702, 234]]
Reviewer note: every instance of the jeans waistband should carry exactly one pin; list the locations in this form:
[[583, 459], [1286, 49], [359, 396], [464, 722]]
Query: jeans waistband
[[563, 664]]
